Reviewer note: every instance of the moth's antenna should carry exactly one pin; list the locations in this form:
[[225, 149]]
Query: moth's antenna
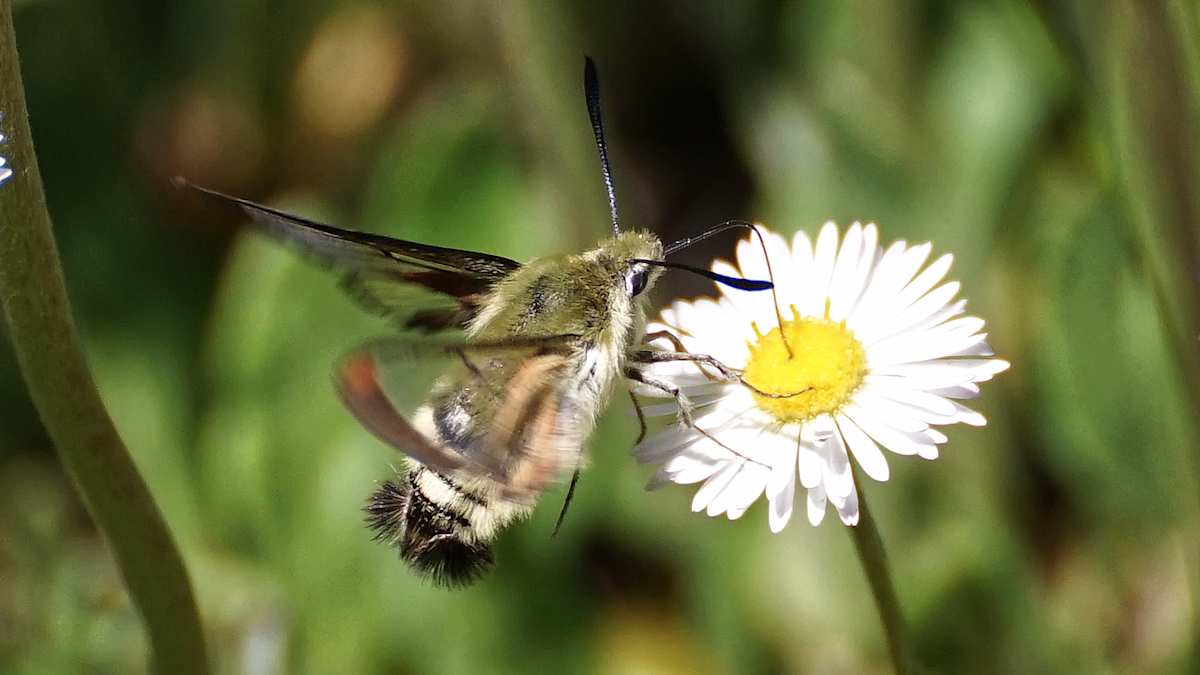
[[725, 227], [710, 232], [591, 92]]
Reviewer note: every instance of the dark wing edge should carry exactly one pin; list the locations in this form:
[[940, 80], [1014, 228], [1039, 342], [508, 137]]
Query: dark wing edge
[[377, 269]]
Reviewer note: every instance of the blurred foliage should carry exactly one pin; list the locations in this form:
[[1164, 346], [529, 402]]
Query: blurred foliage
[[1051, 146]]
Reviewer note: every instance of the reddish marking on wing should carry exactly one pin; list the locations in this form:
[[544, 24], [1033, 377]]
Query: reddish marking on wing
[[359, 376], [358, 383]]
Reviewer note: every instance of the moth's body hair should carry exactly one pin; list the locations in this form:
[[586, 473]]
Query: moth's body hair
[[443, 523]]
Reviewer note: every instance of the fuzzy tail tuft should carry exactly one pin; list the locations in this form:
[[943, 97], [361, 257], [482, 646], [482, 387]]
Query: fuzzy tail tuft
[[428, 535]]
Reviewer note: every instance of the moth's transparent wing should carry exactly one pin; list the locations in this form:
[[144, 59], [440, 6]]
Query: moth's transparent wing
[[390, 277], [499, 411]]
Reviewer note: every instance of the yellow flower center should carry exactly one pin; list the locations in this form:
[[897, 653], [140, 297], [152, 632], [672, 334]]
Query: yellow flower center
[[824, 368]]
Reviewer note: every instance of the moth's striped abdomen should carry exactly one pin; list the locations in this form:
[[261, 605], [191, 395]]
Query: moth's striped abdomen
[[435, 536], [442, 526]]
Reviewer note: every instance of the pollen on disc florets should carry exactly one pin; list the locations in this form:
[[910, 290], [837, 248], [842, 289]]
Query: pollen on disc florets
[[822, 370]]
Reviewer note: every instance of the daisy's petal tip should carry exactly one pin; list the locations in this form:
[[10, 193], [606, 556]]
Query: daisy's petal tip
[[848, 509], [849, 517], [969, 417], [815, 514], [657, 481]]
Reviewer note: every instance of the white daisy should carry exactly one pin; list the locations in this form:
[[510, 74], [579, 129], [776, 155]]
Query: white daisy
[[5, 172], [873, 355]]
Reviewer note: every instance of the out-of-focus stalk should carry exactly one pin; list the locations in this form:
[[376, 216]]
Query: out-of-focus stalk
[[48, 349], [1143, 63], [870, 549]]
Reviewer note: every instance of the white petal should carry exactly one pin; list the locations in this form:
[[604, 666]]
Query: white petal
[[916, 348], [694, 458], [943, 372], [920, 413], [869, 456], [968, 416], [699, 404], [966, 325], [663, 444], [897, 390], [693, 473], [753, 265], [885, 270], [713, 486], [924, 281], [729, 497], [962, 391], [854, 283], [824, 257], [749, 485], [780, 511], [755, 308], [848, 510], [871, 254], [658, 480], [839, 480], [821, 429], [816, 505], [783, 467], [891, 277], [891, 413], [936, 436], [946, 313], [927, 306], [811, 465], [978, 348], [899, 442], [844, 269], [995, 366]]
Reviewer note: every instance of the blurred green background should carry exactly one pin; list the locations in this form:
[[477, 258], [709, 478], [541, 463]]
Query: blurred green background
[[1050, 146]]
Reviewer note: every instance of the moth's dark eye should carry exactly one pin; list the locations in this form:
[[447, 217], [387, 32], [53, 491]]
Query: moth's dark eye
[[635, 282]]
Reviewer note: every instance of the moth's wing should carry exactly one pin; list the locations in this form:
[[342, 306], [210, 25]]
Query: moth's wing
[[500, 412], [534, 430], [382, 273], [358, 383]]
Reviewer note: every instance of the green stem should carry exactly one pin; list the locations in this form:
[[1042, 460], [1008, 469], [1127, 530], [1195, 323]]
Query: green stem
[[48, 349], [874, 560]]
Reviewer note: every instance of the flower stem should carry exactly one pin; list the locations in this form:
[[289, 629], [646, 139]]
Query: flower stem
[[60, 384], [874, 560]]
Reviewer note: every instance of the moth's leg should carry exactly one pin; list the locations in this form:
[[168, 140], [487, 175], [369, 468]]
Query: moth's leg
[[462, 354], [637, 407], [654, 356], [729, 374], [677, 344], [665, 335], [685, 406], [670, 389], [566, 503]]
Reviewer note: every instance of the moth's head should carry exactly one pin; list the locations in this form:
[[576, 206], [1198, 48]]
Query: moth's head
[[623, 255]]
